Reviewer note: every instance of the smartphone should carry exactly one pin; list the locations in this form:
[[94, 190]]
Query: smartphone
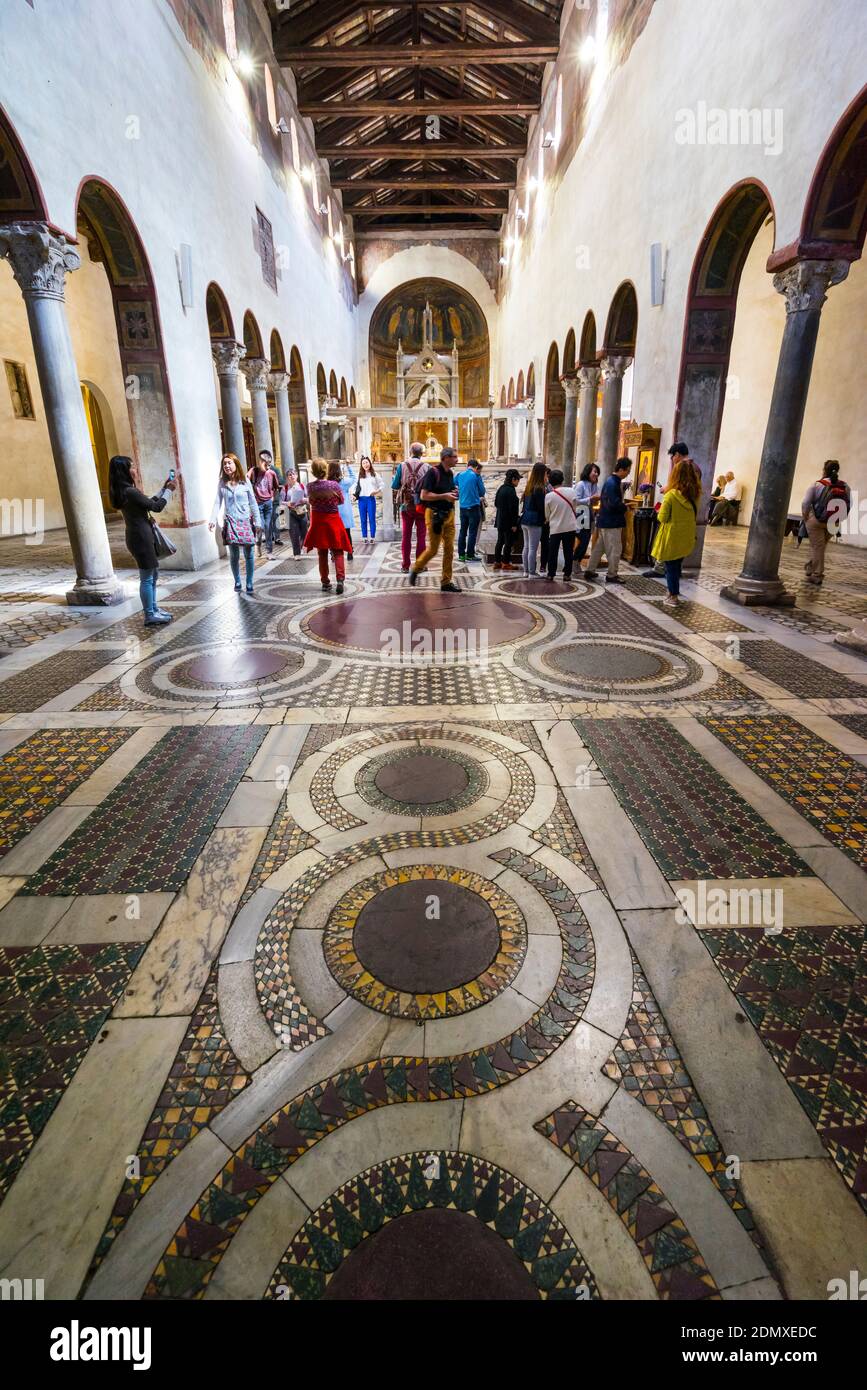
[[171, 475]]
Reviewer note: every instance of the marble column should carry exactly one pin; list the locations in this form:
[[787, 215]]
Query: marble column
[[405, 433], [279, 382], [588, 380], [531, 444], [40, 260], [572, 387], [256, 371], [805, 286], [227, 358], [613, 370], [453, 433]]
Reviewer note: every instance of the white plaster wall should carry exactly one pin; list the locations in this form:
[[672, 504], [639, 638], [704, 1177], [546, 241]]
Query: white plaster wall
[[631, 183], [70, 77]]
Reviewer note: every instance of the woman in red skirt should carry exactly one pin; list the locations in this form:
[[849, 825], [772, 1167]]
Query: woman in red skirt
[[327, 531]]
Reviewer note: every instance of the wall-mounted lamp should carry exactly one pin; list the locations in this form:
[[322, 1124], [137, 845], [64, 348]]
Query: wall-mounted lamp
[[548, 140], [587, 51], [658, 261], [282, 126], [323, 208], [307, 174], [245, 65], [520, 214]]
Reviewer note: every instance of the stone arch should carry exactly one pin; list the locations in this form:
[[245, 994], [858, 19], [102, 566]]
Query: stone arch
[[220, 325], [353, 401], [555, 409], [835, 213], [458, 318], [621, 327], [520, 388], [252, 336], [321, 382], [113, 240], [531, 381], [511, 393], [276, 353], [343, 397], [333, 388], [710, 319], [22, 196], [503, 398], [587, 351], [569, 353], [298, 407]]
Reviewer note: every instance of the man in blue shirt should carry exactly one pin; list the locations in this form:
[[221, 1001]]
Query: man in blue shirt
[[610, 521], [471, 490]]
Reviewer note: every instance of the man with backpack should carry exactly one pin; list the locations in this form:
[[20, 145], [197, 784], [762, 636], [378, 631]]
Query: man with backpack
[[825, 506], [406, 484], [438, 492]]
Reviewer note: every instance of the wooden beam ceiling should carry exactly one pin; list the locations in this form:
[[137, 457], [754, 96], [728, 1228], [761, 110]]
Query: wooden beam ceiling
[[374, 75]]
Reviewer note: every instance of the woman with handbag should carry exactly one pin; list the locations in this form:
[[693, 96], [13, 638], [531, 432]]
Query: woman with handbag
[[294, 495], [327, 533], [236, 500], [142, 536]]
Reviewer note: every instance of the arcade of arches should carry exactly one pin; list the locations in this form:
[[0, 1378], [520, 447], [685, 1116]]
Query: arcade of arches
[[538, 867]]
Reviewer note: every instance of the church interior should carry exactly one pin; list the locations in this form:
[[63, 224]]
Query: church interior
[[479, 930]]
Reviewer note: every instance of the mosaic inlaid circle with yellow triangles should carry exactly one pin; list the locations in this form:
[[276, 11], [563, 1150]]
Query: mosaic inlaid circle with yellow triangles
[[425, 941]]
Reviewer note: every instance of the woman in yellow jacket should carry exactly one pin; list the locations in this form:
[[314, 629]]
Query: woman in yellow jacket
[[675, 538]]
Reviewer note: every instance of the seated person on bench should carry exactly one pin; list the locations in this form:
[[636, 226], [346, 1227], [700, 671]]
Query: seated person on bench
[[726, 508]]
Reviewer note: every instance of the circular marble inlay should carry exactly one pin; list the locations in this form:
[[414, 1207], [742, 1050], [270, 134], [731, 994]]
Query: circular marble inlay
[[422, 778], [231, 666], [402, 939], [435, 1254], [603, 661], [433, 782], [408, 622], [425, 941], [542, 588]]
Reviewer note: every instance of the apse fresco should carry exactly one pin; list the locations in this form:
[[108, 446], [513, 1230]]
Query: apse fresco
[[457, 318]]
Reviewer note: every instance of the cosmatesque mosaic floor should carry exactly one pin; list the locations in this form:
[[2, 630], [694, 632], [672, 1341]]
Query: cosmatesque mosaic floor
[[501, 945]]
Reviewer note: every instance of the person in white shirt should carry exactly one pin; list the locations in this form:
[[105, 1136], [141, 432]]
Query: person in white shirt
[[726, 506], [561, 513], [367, 490]]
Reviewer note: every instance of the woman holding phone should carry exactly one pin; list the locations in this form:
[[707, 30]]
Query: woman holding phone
[[139, 533]]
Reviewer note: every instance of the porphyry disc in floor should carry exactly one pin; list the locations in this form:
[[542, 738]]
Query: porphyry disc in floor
[[426, 941], [434, 781]]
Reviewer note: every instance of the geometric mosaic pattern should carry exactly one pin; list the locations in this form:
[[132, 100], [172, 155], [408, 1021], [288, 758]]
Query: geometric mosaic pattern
[[805, 992], [204, 1077], [828, 788], [40, 773], [462, 1183], [147, 833], [671, 1255], [647, 1064], [797, 673], [561, 834], [691, 820], [54, 1001], [29, 689], [205, 1234], [359, 981], [284, 840]]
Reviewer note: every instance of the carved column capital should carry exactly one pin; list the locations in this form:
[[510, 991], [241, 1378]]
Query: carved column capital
[[227, 357], [572, 387], [588, 378], [806, 283], [278, 381], [40, 258], [614, 368], [256, 371]]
